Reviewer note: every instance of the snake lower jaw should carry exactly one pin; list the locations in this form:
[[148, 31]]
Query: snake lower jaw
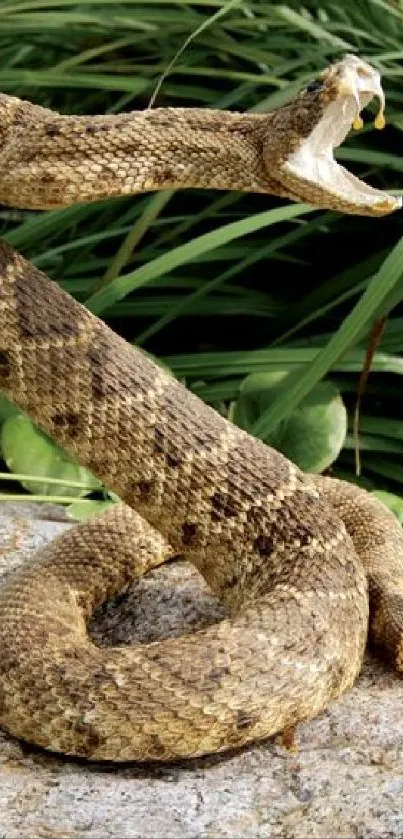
[[330, 186], [318, 178]]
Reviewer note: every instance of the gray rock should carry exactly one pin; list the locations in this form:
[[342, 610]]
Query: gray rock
[[343, 779]]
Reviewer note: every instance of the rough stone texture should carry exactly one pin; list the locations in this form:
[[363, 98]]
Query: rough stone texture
[[344, 779]]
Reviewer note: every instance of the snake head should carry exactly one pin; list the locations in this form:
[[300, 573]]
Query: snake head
[[312, 126]]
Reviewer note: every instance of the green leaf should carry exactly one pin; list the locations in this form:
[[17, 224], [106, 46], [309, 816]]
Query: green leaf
[[195, 248], [28, 451], [312, 436], [82, 510], [300, 21], [350, 330], [7, 408], [255, 394], [392, 501]]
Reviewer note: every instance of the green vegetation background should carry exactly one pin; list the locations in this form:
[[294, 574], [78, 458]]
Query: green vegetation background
[[262, 307]]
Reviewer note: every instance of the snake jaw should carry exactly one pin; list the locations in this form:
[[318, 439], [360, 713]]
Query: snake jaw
[[311, 169]]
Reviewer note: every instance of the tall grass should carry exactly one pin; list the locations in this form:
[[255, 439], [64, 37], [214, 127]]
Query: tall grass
[[221, 285]]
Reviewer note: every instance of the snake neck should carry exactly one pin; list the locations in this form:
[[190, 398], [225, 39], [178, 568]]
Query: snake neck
[[49, 160], [205, 484]]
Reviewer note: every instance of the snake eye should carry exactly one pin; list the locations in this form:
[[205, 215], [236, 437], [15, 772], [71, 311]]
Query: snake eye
[[315, 85]]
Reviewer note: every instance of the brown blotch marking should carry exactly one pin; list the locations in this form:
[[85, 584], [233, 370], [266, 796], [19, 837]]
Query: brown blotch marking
[[98, 356], [90, 739], [97, 127], [158, 441], [303, 532], [70, 652], [244, 720], [107, 378], [97, 387], [161, 444], [100, 676], [70, 422], [164, 175], [144, 488], [157, 747], [9, 661], [264, 544], [254, 514], [59, 322], [223, 504], [305, 539], [189, 530], [5, 365], [46, 177], [173, 460], [52, 130]]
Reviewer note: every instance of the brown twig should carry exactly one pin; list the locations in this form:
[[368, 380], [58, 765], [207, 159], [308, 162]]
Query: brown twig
[[373, 343]]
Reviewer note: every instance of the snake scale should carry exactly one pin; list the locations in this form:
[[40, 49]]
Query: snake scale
[[292, 557]]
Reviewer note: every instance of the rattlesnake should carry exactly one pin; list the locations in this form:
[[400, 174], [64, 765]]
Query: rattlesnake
[[271, 542]]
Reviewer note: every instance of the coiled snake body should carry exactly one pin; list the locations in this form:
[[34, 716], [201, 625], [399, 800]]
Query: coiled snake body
[[271, 542]]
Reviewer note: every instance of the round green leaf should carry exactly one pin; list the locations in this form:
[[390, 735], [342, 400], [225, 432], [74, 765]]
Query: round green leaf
[[256, 393], [392, 501], [82, 510], [315, 432], [28, 451], [7, 408], [313, 435]]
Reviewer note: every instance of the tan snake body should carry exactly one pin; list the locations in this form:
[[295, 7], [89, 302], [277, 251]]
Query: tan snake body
[[270, 541]]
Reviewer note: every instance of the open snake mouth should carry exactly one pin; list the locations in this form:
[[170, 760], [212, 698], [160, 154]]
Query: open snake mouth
[[348, 87]]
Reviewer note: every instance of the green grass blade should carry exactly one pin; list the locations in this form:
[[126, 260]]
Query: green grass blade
[[123, 285], [382, 284]]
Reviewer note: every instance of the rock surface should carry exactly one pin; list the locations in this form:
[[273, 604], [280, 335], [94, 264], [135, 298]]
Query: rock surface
[[344, 779]]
